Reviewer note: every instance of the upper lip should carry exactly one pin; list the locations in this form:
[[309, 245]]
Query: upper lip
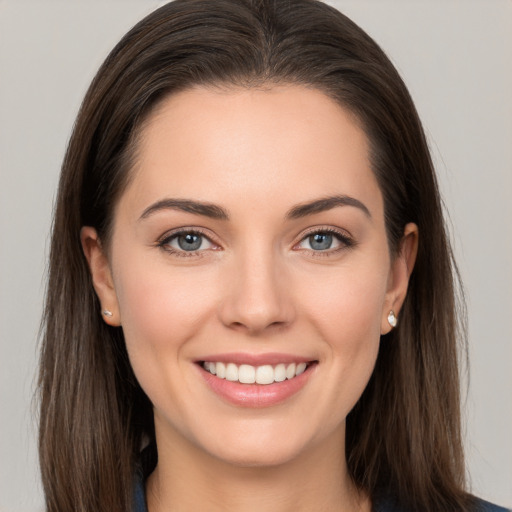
[[239, 358]]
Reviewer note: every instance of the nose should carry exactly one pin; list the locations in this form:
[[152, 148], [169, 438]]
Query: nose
[[258, 296]]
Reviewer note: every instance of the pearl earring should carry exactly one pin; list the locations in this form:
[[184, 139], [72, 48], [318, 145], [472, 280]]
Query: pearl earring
[[392, 318]]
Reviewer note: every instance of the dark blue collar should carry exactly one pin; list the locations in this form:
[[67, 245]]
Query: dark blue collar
[[139, 498], [148, 463]]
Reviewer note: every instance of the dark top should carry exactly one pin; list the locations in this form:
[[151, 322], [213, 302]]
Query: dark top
[[382, 505]]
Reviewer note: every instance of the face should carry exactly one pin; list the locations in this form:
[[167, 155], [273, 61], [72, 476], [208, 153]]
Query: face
[[250, 271]]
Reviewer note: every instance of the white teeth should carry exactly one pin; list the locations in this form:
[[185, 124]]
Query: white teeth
[[248, 374], [300, 368], [221, 370], [290, 371], [264, 374], [280, 373], [211, 367], [231, 372]]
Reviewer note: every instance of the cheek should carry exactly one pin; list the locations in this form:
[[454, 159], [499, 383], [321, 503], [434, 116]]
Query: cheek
[[347, 312], [161, 310], [153, 297], [348, 304]]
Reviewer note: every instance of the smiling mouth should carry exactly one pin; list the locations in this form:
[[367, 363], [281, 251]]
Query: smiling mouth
[[248, 374]]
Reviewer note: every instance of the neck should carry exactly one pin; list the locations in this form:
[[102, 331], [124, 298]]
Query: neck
[[186, 479]]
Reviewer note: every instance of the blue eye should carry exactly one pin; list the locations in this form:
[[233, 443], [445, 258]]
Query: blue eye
[[320, 241], [324, 241], [186, 241], [189, 241]]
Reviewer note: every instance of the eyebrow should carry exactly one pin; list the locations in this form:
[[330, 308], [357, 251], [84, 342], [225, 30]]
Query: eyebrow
[[217, 212], [187, 205], [324, 204]]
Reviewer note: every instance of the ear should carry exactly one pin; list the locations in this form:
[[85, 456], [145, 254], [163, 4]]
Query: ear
[[400, 272], [101, 274]]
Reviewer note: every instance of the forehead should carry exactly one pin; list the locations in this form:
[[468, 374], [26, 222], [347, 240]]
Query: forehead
[[272, 146]]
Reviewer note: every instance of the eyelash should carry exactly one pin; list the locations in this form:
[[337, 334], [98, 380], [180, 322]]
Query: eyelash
[[346, 242], [164, 242]]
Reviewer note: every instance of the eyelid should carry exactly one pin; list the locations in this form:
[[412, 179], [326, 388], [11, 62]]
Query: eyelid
[[164, 241], [346, 240]]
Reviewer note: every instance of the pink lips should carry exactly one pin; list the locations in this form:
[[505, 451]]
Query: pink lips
[[256, 395]]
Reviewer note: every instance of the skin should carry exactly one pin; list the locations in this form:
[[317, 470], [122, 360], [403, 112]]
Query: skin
[[257, 154]]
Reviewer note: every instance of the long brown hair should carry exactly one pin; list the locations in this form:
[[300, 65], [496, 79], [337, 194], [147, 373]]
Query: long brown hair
[[403, 436]]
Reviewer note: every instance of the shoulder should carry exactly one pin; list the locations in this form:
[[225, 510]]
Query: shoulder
[[388, 505], [485, 506]]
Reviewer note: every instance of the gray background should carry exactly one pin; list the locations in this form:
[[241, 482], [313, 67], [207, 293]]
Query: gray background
[[455, 56]]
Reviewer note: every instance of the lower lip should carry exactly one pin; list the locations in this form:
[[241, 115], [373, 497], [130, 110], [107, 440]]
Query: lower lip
[[256, 395]]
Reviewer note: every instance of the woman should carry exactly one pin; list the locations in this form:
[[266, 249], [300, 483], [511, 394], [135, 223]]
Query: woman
[[251, 299]]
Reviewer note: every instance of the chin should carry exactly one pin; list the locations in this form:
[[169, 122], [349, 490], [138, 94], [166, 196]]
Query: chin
[[258, 458], [260, 448]]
